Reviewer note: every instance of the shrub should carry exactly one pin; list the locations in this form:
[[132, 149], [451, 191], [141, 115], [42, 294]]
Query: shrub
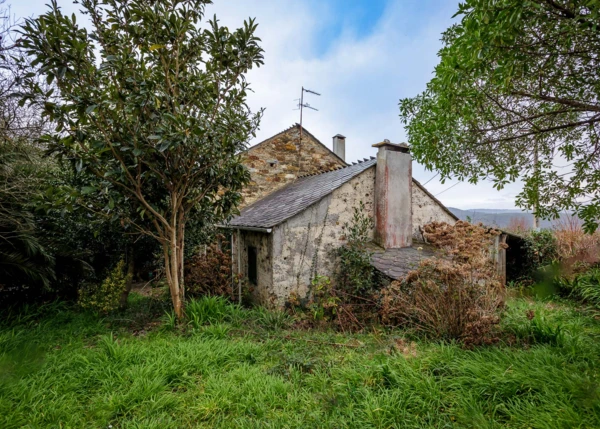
[[539, 249], [577, 250], [324, 302], [105, 298], [209, 273], [355, 274], [455, 296]]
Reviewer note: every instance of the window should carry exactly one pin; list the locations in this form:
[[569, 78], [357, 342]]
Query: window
[[252, 271]]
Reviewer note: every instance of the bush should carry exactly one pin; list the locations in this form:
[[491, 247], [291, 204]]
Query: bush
[[355, 274], [106, 297], [209, 274], [573, 242], [542, 248], [455, 296]]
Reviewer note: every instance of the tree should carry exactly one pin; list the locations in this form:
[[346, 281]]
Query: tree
[[23, 259], [154, 107], [516, 96]]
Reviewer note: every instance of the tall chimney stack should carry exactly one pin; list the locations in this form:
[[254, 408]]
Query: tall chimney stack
[[339, 146], [393, 195]]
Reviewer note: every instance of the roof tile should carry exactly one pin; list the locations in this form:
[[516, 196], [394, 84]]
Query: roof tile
[[295, 197]]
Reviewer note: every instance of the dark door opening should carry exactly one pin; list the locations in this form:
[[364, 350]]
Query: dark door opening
[[252, 268]]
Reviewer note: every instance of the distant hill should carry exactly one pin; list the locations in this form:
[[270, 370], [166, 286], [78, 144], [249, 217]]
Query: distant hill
[[500, 218]]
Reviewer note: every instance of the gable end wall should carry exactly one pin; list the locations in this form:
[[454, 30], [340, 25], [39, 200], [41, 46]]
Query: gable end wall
[[304, 245], [426, 210], [283, 149]]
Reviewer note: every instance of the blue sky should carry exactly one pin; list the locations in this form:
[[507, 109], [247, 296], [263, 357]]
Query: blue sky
[[361, 55]]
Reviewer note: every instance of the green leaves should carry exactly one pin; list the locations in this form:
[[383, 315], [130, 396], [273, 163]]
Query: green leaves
[[516, 78], [152, 113]]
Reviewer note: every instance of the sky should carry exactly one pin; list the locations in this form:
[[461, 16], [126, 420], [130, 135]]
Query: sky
[[362, 56]]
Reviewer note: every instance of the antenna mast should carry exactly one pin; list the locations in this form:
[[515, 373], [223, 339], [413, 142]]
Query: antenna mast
[[301, 106]]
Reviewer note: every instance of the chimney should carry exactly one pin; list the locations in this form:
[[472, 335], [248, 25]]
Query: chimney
[[393, 195], [339, 146]]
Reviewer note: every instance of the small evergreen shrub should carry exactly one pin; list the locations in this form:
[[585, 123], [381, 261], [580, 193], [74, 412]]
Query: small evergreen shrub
[[541, 250], [356, 274], [324, 302], [105, 298]]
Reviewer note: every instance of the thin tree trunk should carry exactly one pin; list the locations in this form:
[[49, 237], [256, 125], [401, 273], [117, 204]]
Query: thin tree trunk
[[130, 273], [174, 268], [180, 249], [173, 252]]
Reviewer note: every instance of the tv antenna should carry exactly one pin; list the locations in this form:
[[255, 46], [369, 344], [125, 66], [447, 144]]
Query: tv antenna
[[301, 106]]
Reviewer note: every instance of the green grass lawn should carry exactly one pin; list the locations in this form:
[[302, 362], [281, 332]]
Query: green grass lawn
[[235, 368]]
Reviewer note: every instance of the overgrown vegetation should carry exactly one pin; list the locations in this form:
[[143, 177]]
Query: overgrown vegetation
[[60, 367], [355, 274], [209, 273], [151, 107], [563, 251], [456, 296], [586, 287]]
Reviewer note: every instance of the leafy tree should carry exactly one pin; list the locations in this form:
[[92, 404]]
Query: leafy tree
[[154, 106], [23, 259], [515, 96]]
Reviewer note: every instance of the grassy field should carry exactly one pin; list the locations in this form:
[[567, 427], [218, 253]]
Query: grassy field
[[236, 368]]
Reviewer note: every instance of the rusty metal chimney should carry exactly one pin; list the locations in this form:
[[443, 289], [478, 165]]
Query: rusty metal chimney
[[393, 195], [339, 146]]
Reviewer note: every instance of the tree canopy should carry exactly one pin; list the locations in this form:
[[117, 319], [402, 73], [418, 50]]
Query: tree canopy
[[152, 105], [516, 97]]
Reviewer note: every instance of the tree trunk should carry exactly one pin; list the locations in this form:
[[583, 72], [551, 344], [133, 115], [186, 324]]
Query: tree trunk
[[130, 273], [173, 254]]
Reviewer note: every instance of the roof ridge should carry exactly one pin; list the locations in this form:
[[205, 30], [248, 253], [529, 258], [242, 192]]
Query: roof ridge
[[337, 168]]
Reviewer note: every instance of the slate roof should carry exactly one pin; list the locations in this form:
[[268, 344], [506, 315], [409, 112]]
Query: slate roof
[[397, 263], [297, 196]]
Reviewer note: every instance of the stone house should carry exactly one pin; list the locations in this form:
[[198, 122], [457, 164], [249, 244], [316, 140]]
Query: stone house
[[300, 197]]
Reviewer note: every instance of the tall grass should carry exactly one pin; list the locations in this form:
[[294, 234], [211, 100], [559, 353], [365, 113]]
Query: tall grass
[[82, 373], [573, 244], [518, 225], [587, 288]]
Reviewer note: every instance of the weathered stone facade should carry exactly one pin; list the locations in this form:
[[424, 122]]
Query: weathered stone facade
[[279, 160], [304, 245], [296, 250], [426, 209], [290, 251]]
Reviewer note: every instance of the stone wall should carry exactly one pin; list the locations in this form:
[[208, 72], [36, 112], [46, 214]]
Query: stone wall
[[304, 245], [278, 161], [426, 209]]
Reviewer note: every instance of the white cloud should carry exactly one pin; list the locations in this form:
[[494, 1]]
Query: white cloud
[[361, 79]]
